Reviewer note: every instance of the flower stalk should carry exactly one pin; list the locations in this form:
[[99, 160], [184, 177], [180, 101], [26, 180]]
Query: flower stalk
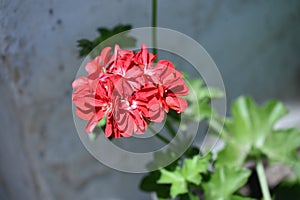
[[262, 180], [154, 16], [170, 128], [162, 138]]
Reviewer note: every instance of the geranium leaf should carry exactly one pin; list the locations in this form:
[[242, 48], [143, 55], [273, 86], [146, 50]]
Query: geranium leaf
[[296, 168], [86, 46], [282, 146], [189, 196], [287, 190], [251, 124], [192, 151], [224, 182], [235, 197], [210, 93], [192, 168], [232, 155], [199, 100], [149, 184], [102, 122], [249, 130], [189, 173], [193, 197], [176, 179]]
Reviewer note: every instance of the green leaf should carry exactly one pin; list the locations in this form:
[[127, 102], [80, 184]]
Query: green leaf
[[191, 152], [185, 75], [282, 146], [202, 92], [93, 136], [189, 173], [86, 46], [210, 93], [199, 100], [249, 130], [149, 184], [192, 168], [224, 182], [287, 190], [193, 197], [205, 111], [102, 122], [98, 129], [189, 196], [104, 32], [176, 179], [235, 197], [296, 168], [159, 158], [232, 155], [251, 124]]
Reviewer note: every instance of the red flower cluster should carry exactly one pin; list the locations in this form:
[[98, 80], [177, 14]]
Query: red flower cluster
[[128, 89]]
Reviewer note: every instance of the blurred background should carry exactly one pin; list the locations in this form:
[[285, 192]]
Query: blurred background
[[255, 44]]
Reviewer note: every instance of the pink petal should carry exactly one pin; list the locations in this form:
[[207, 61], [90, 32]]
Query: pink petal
[[94, 121], [81, 81]]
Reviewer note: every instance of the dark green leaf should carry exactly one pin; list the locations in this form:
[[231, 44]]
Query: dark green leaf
[[189, 196], [104, 32], [235, 197], [86, 46], [191, 152], [287, 190], [149, 184]]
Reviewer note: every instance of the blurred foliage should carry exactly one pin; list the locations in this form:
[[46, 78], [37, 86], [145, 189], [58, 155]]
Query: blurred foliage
[[287, 190], [199, 99], [248, 135], [224, 182]]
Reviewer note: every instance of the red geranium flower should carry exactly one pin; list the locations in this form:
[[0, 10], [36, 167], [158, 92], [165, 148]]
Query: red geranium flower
[[124, 119], [127, 76], [92, 100], [128, 88], [170, 86]]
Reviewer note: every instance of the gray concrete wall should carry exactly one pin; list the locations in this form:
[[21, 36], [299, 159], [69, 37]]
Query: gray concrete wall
[[255, 45]]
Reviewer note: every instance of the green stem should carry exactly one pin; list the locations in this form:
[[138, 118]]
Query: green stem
[[162, 138], [262, 180], [154, 15], [170, 128]]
